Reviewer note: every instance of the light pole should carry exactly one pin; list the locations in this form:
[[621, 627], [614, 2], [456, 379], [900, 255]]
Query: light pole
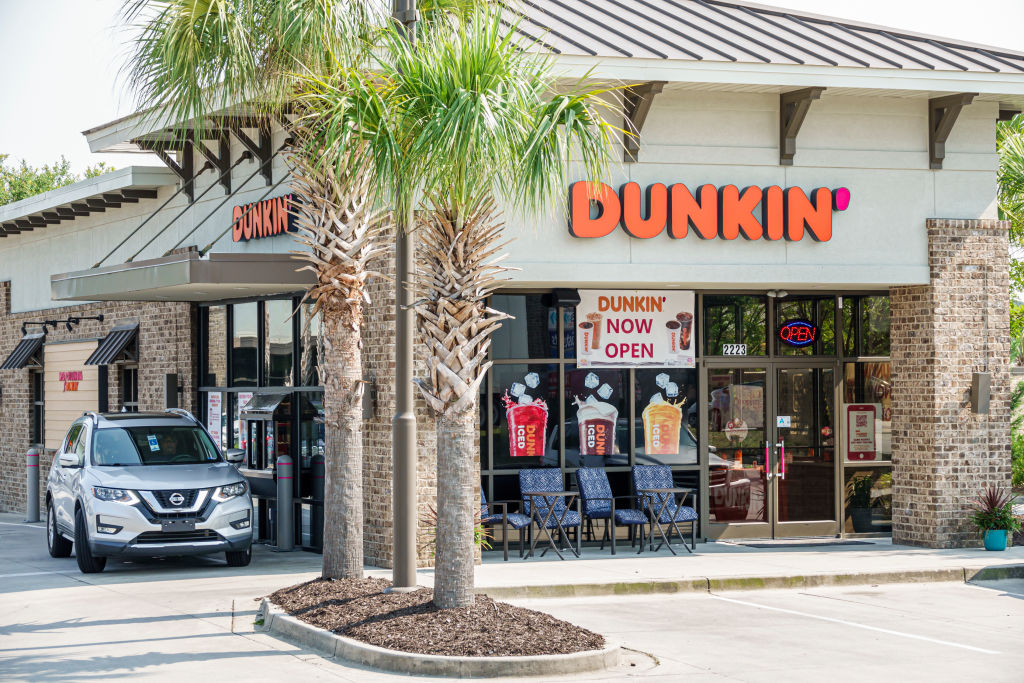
[[403, 425]]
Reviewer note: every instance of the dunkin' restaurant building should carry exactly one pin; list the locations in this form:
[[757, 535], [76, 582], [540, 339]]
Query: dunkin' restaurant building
[[795, 279]]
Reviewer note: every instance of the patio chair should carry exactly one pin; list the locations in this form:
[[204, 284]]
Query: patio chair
[[663, 509], [507, 519], [599, 503], [549, 512]]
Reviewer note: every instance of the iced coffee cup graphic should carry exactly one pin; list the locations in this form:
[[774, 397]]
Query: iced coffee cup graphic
[[587, 336], [662, 422], [595, 320], [672, 330], [597, 421], [685, 329], [527, 427]]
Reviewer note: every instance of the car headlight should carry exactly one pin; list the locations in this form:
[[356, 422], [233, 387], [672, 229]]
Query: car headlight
[[230, 491], [114, 495]]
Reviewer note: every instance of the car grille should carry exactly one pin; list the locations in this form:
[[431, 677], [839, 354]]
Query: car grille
[[164, 497], [152, 537]]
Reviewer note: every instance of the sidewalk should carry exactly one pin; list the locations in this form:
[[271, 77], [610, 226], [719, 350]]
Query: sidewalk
[[730, 566]]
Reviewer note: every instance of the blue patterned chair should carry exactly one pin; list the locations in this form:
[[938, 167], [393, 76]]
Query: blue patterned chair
[[599, 503], [507, 519], [548, 512], [672, 513]]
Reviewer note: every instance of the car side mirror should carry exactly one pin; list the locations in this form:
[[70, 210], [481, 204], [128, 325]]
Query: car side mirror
[[235, 455], [70, 460]]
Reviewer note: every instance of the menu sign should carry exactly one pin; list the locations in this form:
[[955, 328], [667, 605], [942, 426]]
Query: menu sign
[[860, 430], [214, 411], [638, 328]]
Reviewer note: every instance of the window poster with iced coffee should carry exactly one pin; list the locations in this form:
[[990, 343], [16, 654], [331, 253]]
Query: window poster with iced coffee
[[635, 329]]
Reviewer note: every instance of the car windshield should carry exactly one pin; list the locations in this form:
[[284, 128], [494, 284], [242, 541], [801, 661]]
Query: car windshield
[[166, 445]]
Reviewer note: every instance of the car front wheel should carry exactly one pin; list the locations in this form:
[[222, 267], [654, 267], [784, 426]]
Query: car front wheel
[[55, 543], [86, 562]]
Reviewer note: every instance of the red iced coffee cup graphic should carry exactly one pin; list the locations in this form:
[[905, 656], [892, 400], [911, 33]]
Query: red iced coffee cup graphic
[[527, 427], [685, 329]]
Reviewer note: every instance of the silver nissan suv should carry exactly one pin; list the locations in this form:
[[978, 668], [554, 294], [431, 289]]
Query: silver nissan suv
[[145, 484]]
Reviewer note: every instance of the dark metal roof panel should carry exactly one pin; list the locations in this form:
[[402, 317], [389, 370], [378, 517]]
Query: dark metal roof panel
[[113, 345], [23, 352], [730, 30]]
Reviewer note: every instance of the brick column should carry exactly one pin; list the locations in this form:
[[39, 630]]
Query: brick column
[[941, 333]]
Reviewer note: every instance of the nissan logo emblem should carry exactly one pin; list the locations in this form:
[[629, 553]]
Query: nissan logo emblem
[[176, 499]]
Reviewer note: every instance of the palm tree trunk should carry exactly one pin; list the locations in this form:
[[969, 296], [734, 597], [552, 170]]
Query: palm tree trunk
[[343, 488], [458, 500]]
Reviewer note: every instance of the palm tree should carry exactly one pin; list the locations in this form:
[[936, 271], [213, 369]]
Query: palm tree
[[457, 123], [192, 58]]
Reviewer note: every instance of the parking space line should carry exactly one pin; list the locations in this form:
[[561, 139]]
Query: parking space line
[[856, 625], [24, 524], [11, 576]]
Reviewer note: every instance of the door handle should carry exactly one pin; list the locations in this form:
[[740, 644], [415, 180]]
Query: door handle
[[782, 459], [767, 462]]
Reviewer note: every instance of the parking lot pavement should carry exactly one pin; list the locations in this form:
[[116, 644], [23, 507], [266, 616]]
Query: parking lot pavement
[[192, 620]]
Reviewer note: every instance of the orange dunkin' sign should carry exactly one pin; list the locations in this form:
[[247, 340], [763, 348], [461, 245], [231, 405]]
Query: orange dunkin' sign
[[262, 219], [727, 212]]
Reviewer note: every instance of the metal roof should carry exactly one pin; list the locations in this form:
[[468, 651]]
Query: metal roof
[[107, 191], [22, 354], [730, 31], [114, 344]]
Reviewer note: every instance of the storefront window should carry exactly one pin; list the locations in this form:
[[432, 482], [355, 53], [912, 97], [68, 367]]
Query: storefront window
[[524, 405], [820, 312], [868, 501], [38, 407], [736, 435], [735, 320], [665, 427], [597, 429], [311, 427], [278, 342], [310, 331], [867, 412], [874, 324], [130, 389], [532, 332], [244, 347], [216, 372]]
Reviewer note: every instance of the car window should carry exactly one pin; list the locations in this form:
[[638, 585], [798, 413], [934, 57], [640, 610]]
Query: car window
[[80, 444], [164, 445], [72, 437]]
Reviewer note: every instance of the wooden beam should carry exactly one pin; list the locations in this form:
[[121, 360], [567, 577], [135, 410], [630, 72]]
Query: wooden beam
[[793, 108], [24, 225], [942, 115], [261, 150], [11, 228], [184, 170], [69, 213], [138, 194], [51, 217], [96, 204], [221, 159], [83, 209], [36, 221], [637, 103], [112, 200]]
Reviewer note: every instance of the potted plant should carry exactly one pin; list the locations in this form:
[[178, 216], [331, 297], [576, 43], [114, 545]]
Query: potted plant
[[993, 515], [858, 498]]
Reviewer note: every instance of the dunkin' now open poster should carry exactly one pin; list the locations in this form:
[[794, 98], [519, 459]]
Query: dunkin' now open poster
[[635, 328]]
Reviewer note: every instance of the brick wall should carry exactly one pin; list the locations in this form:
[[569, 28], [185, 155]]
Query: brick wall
[[943, 454], [379, 366], [166, 345]]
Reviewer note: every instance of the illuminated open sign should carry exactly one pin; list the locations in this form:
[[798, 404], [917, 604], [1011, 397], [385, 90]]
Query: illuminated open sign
[[798, 333]]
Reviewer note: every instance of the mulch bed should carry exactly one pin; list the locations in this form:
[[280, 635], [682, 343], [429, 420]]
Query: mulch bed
[[360, 609]]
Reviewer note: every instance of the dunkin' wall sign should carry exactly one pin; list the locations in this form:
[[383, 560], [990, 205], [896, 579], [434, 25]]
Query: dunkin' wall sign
[[262, 219], [727, 212]]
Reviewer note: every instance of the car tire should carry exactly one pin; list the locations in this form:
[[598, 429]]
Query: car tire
[[239, 558], [55, 543], [87, 563]]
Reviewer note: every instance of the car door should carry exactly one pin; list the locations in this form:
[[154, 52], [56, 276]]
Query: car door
[[63, 499]]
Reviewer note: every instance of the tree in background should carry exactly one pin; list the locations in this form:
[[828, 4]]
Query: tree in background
[[22, 181]]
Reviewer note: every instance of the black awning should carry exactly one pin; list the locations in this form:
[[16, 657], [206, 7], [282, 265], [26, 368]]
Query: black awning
[[24, 353], [114, 344], [262, 406]]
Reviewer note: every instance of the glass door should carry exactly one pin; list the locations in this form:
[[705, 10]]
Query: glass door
[[803, 470], [771, 456]]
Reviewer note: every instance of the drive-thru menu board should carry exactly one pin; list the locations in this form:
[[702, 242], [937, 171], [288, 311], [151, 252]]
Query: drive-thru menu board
[[635, 328]]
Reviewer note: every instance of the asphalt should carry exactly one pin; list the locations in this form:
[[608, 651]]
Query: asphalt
[[193, 618]]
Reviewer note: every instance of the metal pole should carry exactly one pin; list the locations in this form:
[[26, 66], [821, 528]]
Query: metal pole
[[285, 506], [32, 485], [403, 426]]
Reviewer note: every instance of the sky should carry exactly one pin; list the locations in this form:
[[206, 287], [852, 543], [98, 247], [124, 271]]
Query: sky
[[61, 61]]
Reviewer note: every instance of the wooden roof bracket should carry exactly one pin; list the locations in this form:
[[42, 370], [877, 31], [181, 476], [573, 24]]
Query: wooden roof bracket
[[942, 115], [185, 170], [636, 104], [260, 150], [793, 107], [221, 160]]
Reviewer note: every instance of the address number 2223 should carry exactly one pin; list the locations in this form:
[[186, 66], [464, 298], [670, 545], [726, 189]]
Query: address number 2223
[[734, 349]]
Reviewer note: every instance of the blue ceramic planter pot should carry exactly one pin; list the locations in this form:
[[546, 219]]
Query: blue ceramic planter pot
[[995, 539]]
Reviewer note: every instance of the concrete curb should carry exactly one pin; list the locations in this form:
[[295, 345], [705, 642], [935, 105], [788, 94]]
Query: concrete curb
[[275, 621], [739, 583]]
